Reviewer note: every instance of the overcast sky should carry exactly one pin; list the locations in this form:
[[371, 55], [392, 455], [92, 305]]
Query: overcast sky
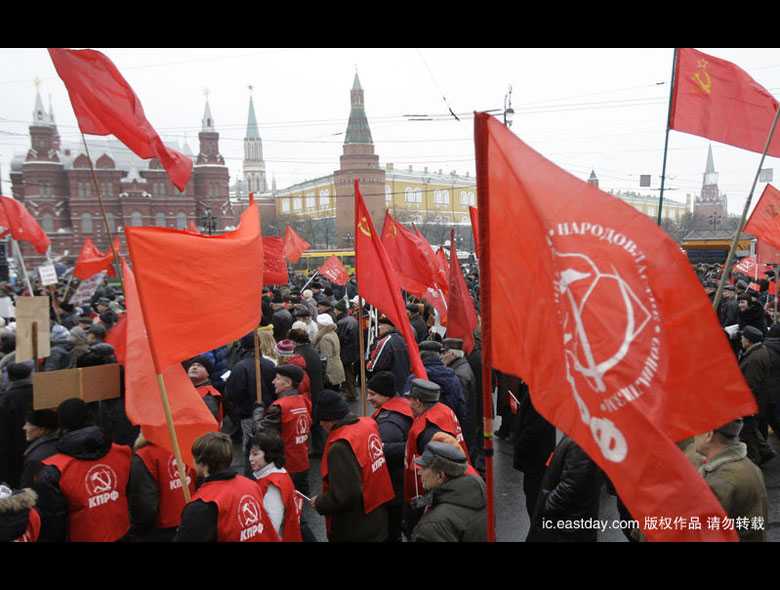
[[603, 109]]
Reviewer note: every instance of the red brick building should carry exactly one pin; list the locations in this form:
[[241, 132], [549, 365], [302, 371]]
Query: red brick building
[[54, 181]]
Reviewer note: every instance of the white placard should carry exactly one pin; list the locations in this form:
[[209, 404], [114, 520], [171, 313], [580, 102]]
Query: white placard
[[87, 289], [48, 275]]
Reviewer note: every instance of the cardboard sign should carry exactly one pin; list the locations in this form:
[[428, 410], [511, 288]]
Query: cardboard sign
[[86, 289], [91, 384], [29, 311], [48, 275]]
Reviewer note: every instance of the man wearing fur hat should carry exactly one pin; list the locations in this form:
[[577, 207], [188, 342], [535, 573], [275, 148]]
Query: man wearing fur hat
[[41, 429], [457, 502], [734, 479], [19, 520], [393, 416], [389, 353], [756, 366]]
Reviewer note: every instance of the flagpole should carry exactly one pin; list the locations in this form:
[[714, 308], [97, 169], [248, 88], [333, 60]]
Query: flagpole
[[777, 269], [483, 210], [666, 142], [18, 253], [258, 375], [316, 272], [105, 220], [362, 352], [733, 249]]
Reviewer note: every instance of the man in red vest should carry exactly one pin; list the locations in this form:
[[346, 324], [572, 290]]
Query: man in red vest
[[356, 483], [280, 500], [155, 493], [290, 416], [227, 507], [394, 417], [198, 370], [430, 417], [82, 489]]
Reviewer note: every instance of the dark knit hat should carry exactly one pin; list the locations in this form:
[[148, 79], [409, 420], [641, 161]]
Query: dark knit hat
[[331, 406], [383, 383], [731, 429], [43, 419], [98, 330], [202, 360], [18, 371], [295, 374], [341, 305], [753, 334], [72, 414]]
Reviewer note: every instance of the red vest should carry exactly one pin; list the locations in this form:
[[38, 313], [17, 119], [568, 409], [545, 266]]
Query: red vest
[[296, 424], [162, 466], [442, 417], [205, 390], [33, 528], [293, 504], [96, 492], [363, 438], [240, 506], [397, 404]]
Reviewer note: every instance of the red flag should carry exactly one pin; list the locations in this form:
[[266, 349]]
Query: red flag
[[747, 265], [105, 104], [620, 340], [407, 254], [377, 280], [717, 99], [21, 225], [117, 337], [754, 286], [274, 264], [191, 417], [772, 287], [333, 270], [461, 315], [436, 298], [92, 261], [474, 215], [221, 291], [764, 222], [441, 272], [294, 245], [192, 227]]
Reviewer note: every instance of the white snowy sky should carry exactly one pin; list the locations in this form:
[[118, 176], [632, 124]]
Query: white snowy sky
[[583, 108]]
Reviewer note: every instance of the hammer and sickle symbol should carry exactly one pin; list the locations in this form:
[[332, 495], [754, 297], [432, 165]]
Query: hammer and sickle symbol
[[702, 77]]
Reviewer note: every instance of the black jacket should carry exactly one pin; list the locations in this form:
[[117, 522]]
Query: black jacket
[[41, 448], [314, 369], [347, 330], [241, 387], [282, 321], [15, 515], [753, 316], [59, 357], [390, 354], [534, 438], [87, 444], [420, 328], [570, 491], [15, 402], [458, 513], [393, 430], [728, 312], [773, 383], [344, 500], [199, 518]]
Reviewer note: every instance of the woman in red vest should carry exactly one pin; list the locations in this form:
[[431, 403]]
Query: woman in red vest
[[155, 492], [82, 489], [356, 483], [280, 500], [227, 507]]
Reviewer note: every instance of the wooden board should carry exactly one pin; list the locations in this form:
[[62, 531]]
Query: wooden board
[[51, 388], [29, 310]]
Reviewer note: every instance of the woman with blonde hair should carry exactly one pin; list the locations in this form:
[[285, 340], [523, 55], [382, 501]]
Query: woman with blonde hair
[[268, 344]]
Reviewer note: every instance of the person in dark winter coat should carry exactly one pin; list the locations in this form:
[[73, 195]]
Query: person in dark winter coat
[[756, 367], [41, 429], [15, 403], [771, 414], [728, 311], [347, 331], [20, 521], [447, 380], [534, 441], [394, 418], [83, 443], [389, 353], [476, 410], [316, 371], [751, 314], [282, 320], [61, 347], [454, 357], [457, 502], [418, 323], [570, 491]]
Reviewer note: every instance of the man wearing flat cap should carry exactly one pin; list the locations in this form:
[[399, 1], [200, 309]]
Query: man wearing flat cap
[[756, 366], [393, 415], [389, 353], [734, 479], [430, 416], [457, 503], [356, 484]]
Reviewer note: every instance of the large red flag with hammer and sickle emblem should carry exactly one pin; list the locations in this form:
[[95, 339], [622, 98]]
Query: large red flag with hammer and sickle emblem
[[764, 222], [717, 99], [378, 282], [620, 347]]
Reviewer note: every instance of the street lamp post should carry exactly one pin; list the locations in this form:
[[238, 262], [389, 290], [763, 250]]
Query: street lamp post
[[509, 112], [208, 221]]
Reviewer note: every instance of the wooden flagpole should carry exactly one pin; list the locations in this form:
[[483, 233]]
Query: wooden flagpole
[[733, 249], [18, 251], [258, 374], [666, 142]]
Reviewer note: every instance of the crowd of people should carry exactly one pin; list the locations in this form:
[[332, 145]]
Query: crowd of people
[[411, 470]]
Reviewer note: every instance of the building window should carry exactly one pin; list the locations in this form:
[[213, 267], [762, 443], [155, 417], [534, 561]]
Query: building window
[[86, 223], [324, 198], [285, 205], [159, 219], [82, 190], [181, 221], [297, 201], [311, 202], [388, 195], [136, 219], [48, 223], [413, 195], [111, 222], [441, 197]]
